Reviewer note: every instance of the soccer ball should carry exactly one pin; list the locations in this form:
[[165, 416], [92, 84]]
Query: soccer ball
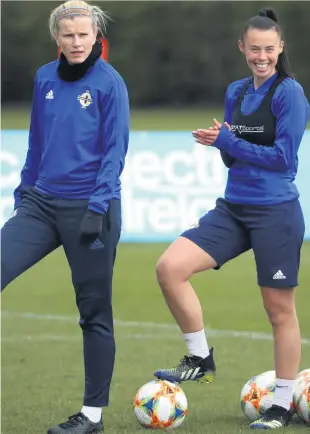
[[257, 395], [160, 404], [302, 376], [302, 398], [249, 400]]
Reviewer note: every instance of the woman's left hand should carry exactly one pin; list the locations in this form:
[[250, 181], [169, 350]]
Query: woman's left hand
[[209, 136]]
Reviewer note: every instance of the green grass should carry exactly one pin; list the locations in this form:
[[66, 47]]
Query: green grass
[[141, 119], [148, 119], [42, 370]]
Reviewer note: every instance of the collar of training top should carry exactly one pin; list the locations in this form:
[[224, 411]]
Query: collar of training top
[[69, 72]]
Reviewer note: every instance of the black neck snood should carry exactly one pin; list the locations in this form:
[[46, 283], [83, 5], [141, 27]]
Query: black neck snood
[[75, 72]]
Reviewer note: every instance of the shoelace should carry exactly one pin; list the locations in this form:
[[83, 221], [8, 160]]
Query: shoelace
[[73, 421], [187, 360]]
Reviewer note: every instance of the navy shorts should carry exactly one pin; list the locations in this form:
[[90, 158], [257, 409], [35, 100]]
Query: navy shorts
[[274, 232]]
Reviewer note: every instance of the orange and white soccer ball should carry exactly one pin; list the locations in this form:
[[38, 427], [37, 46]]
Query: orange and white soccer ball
[[302, 396], [257, 395], [302, 376], [160, 404]]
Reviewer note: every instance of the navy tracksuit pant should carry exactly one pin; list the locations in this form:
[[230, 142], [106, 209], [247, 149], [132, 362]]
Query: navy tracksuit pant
[[40, 225]]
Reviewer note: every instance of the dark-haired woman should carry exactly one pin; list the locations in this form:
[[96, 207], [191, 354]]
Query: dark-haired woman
[[265, 119]]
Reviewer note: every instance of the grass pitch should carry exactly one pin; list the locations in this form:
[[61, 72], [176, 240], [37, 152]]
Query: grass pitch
[[42, 370]]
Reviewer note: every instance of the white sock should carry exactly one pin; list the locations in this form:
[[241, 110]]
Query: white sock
[[197, 344], [93, 413], [284, 393]]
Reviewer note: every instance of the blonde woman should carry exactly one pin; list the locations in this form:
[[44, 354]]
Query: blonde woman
[[70, 190]]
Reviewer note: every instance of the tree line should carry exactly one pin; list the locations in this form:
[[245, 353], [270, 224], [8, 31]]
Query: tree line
[[170, 53]]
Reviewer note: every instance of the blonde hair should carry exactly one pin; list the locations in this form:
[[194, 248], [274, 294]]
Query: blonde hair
[[72, 8]]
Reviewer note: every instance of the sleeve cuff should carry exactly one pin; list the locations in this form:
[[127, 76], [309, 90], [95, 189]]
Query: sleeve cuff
[[98, 209], [222, 139]]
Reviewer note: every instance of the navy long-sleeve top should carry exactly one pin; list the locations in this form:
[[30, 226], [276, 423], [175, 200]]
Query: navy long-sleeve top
[[78, 138]]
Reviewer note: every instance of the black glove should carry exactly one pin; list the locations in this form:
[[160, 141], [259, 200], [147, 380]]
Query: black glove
[[91, 224]]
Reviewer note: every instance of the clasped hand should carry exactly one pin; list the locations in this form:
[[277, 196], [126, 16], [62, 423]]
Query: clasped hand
[[209, 136]]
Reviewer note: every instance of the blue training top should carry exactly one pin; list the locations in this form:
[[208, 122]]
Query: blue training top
[[276, 165], [78, 138]]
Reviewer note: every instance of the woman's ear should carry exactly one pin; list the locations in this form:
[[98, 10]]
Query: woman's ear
[[281, 47], [241, 46]]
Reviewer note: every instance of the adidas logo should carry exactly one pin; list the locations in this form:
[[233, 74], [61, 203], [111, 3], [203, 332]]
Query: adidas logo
[[49, 95], [189, 374], [97, 244], [279, 275]]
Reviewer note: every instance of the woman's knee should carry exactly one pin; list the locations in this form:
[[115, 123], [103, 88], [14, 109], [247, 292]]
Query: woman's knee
[[180, 261], [95, 311], [279, 305], [170, 269]]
